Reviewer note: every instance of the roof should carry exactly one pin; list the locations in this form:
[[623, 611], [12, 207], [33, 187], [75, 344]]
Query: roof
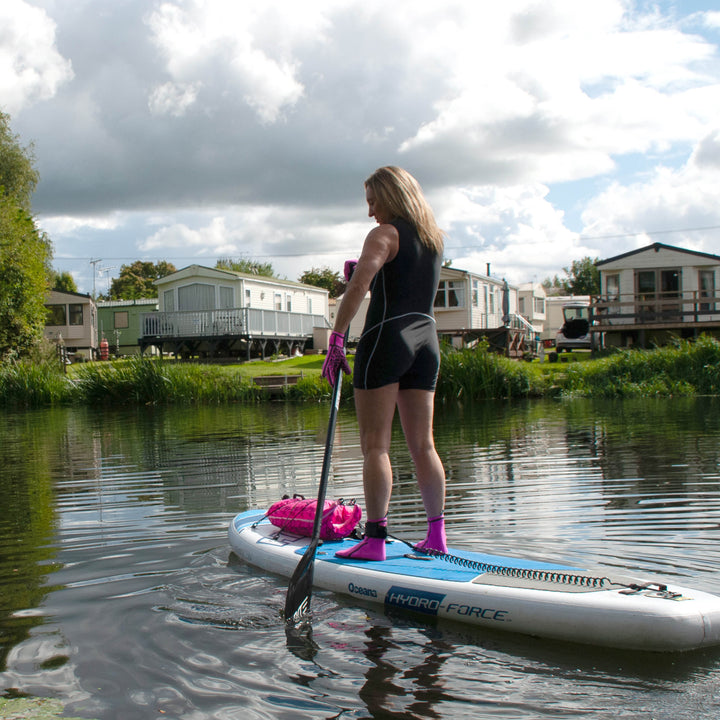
[[203, 270], [448, 269], [659, 246], [84, 296], [125, 303]]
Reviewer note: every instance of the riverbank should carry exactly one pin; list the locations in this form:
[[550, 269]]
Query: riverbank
[[684, 369]]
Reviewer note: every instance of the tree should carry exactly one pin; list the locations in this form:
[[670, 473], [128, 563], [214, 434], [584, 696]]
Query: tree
[[18, 175], [24, 270], [138, 280], [553, 286], [25, 251], [250, 267], [324, 278], [63, 281], [583, 277]]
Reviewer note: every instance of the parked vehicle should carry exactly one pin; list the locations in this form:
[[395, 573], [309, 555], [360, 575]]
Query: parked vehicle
[[575, 333]]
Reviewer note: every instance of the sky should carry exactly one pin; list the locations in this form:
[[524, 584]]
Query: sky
[[542, 131]]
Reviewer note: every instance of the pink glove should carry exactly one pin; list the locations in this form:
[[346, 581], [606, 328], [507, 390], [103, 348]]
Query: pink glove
[[349, 269], [335, 360]]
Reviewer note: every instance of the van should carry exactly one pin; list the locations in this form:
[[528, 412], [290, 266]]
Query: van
[[575, 332]]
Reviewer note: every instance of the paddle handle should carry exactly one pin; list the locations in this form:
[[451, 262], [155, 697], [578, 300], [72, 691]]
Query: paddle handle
[[329, 440]]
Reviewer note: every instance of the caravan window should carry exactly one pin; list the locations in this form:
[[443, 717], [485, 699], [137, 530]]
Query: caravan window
[[226, 297], [76, 314], [55, 315], [121, 319], [707, 290], [197, 296], [450, 294], [612, 287]]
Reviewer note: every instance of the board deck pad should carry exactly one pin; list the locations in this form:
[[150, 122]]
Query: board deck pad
[[403, 560]]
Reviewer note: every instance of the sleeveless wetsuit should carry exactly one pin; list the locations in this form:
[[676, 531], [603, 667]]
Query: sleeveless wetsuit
[[399, 341]]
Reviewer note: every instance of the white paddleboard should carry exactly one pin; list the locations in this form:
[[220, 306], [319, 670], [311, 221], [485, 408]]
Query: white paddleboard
[[504, 593]]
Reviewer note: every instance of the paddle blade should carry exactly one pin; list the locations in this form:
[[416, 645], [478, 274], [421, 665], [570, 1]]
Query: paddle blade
[[297, 599]]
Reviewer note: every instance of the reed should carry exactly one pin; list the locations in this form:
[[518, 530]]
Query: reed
[[33, 384], [152, 381], [477, 374], [684, 368]]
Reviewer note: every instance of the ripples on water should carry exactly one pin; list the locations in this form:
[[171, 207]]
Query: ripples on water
[[121, 598]]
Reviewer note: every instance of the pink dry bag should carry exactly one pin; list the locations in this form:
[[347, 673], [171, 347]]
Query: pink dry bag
[[296, 515]]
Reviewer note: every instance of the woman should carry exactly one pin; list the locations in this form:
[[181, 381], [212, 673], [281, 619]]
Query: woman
[[397, 358]]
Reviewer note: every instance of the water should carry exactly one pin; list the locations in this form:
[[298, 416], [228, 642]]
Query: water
[[121, 598]]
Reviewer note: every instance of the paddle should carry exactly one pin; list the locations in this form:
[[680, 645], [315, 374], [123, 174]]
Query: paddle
[[297, 600]]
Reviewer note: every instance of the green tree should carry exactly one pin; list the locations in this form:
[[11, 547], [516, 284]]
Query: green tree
[[324, 278], [25, 251], [250, 267], [553, 286], [138, 280], [583, 277], [63, 281], [24, 270], [18, 175]]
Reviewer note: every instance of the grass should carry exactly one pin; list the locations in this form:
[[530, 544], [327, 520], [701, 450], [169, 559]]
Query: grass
[[685, 368]]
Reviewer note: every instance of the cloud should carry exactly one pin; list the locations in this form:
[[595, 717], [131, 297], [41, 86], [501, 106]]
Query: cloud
[[707, 153], [514, 229], [675, 206], [198, 128], [31, 69], [222, 36], [172, 98]]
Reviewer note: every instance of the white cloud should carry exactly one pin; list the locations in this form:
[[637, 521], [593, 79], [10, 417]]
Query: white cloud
[[712, 19], [674, 206], [69, 224], [172, 98], [204, 35], [552, 92], [31, 69], [514, 229]]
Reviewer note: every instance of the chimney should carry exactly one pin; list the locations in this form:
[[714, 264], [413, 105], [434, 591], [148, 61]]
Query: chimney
[[488, 269]]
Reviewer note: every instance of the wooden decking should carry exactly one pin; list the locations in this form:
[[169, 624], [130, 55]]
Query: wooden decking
[[645, 320], [232, 332]]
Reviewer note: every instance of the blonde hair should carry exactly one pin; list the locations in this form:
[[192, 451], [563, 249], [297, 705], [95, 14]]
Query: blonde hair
[[398, 192]]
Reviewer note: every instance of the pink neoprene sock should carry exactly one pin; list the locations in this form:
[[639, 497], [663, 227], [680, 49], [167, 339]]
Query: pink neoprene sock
[[435, 538], [372, 546]]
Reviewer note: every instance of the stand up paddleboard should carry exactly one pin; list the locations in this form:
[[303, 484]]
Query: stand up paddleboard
[[504, 593]]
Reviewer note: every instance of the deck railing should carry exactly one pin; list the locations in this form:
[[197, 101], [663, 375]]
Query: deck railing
[[245, 322], [662, 308]]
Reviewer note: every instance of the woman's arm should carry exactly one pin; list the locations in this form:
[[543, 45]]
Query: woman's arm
[[381, 246]]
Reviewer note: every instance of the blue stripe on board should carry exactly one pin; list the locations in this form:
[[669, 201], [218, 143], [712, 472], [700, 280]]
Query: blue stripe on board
[[426, 567]]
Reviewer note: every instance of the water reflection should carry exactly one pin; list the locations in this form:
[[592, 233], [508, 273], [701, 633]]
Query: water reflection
[[115, 574]]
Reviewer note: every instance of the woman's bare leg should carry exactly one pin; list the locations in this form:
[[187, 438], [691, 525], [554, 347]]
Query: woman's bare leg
[[416, 415], [375, 412]]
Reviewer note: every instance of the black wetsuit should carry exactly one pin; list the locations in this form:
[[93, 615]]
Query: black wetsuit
[[399, 341]]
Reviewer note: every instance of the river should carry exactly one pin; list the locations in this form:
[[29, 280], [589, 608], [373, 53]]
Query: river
[[121, 598]]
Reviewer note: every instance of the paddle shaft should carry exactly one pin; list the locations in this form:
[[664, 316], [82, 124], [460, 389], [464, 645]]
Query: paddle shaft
[[297, 600]]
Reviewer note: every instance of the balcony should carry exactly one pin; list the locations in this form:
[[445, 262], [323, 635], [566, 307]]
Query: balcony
[[214, 332], [662, 314]]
